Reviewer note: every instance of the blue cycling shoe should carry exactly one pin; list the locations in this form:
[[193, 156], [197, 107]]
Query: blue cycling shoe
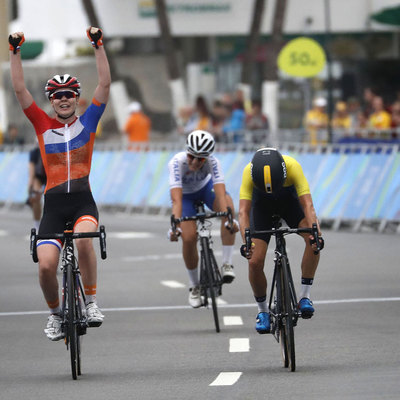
[[262, 323], [306, 308]]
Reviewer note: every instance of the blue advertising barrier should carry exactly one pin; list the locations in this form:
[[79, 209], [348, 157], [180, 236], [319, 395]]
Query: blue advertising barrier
[[344, 186]]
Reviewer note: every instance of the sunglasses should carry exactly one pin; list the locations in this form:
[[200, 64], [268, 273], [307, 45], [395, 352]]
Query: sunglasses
[[192, 157], [68, 94]]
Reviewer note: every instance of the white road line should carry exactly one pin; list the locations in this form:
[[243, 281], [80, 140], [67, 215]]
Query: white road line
[[130, 235], [173, 284], [168, 256], [226, 379], [239, 345], [244, 305], [233, 320]]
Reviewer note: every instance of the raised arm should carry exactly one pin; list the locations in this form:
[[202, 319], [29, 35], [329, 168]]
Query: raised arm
[[17, 74], [102, 91]]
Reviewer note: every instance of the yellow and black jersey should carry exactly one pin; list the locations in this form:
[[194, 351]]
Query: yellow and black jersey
[[295, 177]]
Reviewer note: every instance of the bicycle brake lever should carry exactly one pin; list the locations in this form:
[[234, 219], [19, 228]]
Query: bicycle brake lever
[[247, 238], [315, 238]]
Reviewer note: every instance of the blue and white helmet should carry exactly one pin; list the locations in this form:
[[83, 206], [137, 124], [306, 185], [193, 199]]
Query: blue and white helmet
[[200, 143]]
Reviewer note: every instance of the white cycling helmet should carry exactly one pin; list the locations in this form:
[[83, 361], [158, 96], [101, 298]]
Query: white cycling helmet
[[200, 143]]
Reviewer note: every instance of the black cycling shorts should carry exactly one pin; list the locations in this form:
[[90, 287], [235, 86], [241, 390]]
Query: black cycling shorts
[[60, 208], [286, 204]]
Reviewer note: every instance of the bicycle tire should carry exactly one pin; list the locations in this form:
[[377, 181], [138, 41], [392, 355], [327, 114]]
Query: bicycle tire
[[71, 323], [280, 310], [210, 279], [288, 312]]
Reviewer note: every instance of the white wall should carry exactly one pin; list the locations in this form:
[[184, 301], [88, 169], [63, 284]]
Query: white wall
[[61, 18]]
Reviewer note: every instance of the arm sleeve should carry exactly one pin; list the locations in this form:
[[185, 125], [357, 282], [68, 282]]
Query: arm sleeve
[[216, 170], [246, 188], [296, 177], [175, 173], [92, 115], [39, 119]]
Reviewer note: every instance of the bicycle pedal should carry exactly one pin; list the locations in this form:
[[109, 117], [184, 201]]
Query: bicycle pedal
[[94, 324], [227, 279]]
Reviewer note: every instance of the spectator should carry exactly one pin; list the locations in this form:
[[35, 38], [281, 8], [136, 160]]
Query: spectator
[[316, 119], [353, 108], [234, 123], [219, 114], [197, 119], [396, 114], [12, 137], [138, 125], [341, 120], [380, 119], [256, 121], [368, 97]]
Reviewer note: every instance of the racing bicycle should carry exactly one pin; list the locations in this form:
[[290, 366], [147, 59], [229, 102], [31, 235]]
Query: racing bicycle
[[210, 276], [73, 311], [284, 312]]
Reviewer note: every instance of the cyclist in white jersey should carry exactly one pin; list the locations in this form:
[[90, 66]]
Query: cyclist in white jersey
[[195, 174]]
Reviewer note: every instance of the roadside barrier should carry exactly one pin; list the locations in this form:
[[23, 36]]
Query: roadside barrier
[[349, 184]]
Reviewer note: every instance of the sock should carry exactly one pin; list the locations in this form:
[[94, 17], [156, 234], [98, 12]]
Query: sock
[[36, 224], [306, 284], [193, 277], [90, 294], [227, 254], [54, 306], [262, 304]]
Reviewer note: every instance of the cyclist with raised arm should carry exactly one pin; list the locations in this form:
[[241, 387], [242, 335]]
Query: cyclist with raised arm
[[273, 184], [66, 146], [195, 174]]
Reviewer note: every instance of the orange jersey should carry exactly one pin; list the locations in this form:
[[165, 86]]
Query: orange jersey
[[66, 150]]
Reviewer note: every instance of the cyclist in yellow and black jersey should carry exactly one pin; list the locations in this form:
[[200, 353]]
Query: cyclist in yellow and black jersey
[[273, 184]]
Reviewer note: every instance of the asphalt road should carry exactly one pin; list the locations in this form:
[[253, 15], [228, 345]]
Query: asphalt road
[[152, 345]]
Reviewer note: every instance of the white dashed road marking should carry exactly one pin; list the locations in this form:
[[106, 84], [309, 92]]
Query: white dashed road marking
[[173, 284], [233, 320], [130, 235], [239, 345], [226, 379]]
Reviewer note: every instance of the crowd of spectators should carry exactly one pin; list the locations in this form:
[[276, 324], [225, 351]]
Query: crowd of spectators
[[228, 118], [372, 118]]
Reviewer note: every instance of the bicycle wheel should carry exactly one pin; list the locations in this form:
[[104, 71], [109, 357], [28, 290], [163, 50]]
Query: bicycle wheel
[[206, 253], [288, 326], [71, 323], [279, 311]]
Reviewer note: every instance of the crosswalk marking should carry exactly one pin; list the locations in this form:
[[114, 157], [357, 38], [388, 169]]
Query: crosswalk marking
[[226, 379], [239, 345]]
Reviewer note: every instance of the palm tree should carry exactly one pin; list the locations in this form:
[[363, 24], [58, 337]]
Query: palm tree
[[270, 82], [252, 43], [178, 91]]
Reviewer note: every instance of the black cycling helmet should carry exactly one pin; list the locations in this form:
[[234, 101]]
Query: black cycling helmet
[[268, 170], [62, 82]]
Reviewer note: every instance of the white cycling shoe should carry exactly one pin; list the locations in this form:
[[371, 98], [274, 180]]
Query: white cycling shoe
[[227, 273], [194, 297], [53, 328], [94, 316]]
